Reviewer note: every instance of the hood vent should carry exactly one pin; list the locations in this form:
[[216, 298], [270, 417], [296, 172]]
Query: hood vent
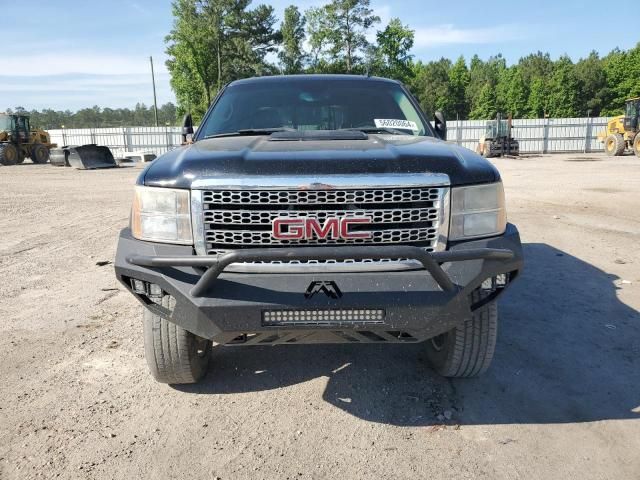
[[311, 135]]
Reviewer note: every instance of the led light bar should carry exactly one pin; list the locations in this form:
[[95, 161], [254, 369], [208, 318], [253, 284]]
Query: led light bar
[[323, 318]]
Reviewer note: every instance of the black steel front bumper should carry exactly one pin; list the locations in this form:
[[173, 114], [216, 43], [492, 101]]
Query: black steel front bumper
[[230, 307]]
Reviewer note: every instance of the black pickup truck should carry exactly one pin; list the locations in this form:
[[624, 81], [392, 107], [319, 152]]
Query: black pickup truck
[[318, 209]]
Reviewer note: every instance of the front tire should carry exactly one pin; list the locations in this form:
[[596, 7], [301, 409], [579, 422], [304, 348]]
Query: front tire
[[636, 145], [467, 350], [39, 153], [614, 145], [8, 154], [173, 354]]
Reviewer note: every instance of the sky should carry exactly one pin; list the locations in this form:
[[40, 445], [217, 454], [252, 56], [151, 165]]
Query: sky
[[79, 53]]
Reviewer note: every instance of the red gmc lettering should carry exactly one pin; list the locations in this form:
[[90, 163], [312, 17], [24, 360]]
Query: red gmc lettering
[[347, 222], [310, 228], [315, 230], [294, 230]]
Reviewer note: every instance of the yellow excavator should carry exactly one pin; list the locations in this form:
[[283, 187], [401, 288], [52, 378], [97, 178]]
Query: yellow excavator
[[18, 141], [623, 132]]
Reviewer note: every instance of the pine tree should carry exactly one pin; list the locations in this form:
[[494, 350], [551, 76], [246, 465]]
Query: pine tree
[[537, 104], [430, 85], [459, 80], [563, 90], [338, 31], [394, 44], [292, 56], [511, 93], [485, 107]]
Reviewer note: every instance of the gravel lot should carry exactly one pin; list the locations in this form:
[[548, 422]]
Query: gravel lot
[[562, 399]]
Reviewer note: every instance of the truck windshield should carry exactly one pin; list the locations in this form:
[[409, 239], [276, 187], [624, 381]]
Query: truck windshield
[[308, 105]]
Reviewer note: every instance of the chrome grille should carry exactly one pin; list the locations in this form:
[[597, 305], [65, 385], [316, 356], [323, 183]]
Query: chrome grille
[[261, 217], [262, 238], [242, 218], [319, 197]]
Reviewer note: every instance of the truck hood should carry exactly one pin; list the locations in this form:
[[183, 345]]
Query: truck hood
[[234, 157]]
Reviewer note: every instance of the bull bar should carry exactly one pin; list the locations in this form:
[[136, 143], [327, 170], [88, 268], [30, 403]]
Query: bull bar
[[431, 261]]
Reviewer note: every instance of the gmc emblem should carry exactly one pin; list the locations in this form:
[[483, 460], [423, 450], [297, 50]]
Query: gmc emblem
[[334, 228]]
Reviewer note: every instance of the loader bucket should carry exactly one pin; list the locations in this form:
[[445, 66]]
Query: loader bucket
[[88, 157]]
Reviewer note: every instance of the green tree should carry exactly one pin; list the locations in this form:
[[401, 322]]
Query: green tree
[[486, 104], [563, 89], [430, 85], [537, 104], [167, 114], [594, 93], [394, 44], [459, 79], [317, 36], [535, 65], [292, 56], [213, 42], [192, 51], [337, 32], [512, 93], [630, 86], [483, 75], [622, 70]]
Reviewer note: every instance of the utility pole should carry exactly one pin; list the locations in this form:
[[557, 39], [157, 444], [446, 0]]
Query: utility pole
[[155, 101]]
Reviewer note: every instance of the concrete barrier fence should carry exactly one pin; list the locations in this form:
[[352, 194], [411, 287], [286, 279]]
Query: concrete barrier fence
[[535, 136]]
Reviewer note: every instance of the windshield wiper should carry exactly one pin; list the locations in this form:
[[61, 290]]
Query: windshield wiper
[[392, 131], [251, 131]]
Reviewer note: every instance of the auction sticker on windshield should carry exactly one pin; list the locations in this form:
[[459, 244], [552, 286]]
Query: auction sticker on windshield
[[391, 123]]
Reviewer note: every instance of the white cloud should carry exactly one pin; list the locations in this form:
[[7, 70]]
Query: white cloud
[[137, 7], [74, 78], [97, 63], [449, 34]]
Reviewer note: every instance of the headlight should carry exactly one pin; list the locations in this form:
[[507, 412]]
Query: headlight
[[477, 211], [162, 215]]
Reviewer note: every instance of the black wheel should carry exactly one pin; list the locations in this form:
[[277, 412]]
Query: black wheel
[[636, 145], [467, 350], [21, 156], [173, 354], [8, 154], [39, 153], [614, 145]]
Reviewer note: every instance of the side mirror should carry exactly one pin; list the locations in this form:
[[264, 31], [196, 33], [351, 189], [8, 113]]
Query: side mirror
[[440, 125], [187, 127]]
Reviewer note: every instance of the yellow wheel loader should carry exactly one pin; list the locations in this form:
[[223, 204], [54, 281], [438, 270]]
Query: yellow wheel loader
[[18, 141], [622, 132]]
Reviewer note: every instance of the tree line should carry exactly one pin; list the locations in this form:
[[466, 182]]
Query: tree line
[[96, 117], [213, 42], [216, 41], [535, 87]]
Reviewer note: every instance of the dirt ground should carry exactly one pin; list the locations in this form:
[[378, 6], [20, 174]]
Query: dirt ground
[[562, 399]]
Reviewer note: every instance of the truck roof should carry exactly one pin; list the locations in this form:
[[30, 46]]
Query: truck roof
[[311, 77]]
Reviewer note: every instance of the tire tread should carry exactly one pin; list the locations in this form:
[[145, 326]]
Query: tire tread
[[168, 351], [470, 347]]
